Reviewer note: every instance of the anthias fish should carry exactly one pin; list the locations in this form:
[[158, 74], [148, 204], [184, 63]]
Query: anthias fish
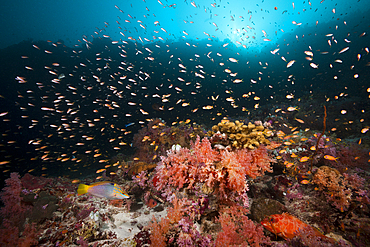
[[105, 189], [287, 226]]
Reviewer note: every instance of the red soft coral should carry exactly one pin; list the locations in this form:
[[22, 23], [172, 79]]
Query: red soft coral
[[256, 161], [238, 230], [186, 166], [9, 234], [203, 152], [174, 169], [223, 172], [159, 229], [245, 162], [236, 172]]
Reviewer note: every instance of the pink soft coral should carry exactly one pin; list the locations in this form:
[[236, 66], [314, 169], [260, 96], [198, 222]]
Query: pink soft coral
[[186, 166], [173, 169]]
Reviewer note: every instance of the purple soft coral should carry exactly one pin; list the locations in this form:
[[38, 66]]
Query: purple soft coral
[[11, 197]]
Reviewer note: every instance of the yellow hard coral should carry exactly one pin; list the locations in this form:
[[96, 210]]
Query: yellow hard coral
[[242, 135]]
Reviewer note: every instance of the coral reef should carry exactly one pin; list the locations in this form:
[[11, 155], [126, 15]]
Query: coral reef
[[197, 191], [237, 135], [208, 180]]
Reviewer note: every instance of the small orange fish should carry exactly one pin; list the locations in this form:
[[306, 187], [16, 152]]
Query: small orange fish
[[293, 155], [273, 145], [287, 226], [289, 164], [100, 170], [304, 159], [299, 120], [291, 108], [305, 181], [329, 157]]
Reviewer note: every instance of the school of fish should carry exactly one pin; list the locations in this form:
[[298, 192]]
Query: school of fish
[[86, 110]]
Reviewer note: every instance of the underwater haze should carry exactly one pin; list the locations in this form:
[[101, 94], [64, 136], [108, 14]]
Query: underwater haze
[[91, 90]]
